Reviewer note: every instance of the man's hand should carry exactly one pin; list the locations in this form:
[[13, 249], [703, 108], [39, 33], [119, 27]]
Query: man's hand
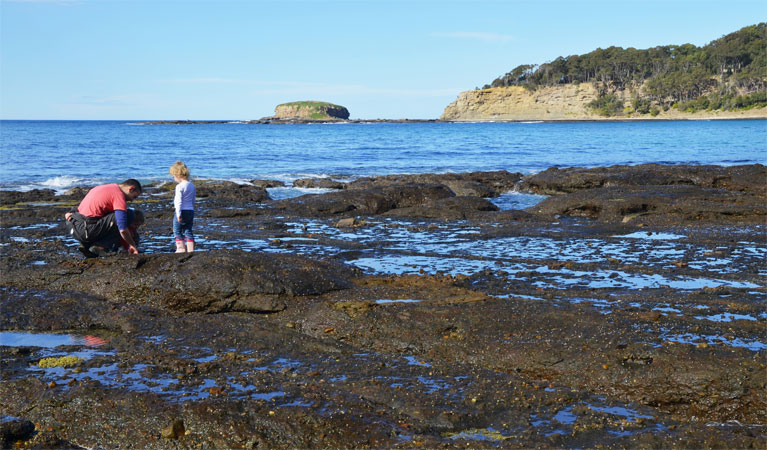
[[128, 237]]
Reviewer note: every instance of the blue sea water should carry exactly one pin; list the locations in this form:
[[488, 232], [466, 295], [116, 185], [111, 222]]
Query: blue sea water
[[60, 154]]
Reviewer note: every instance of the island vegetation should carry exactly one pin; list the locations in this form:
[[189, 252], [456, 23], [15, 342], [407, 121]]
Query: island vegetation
[[729, 74], [312, 110]]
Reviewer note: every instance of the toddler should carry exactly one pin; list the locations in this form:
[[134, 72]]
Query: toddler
[[183, 203]]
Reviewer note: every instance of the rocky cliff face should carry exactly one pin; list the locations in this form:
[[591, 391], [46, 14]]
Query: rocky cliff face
[[564, 102], [310, 110], [518, 103]]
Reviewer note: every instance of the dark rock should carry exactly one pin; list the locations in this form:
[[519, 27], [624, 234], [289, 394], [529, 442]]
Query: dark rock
[[748, 178], [48, 439], [13, 429], [333, 203], [417, 194], [322, 183], [78, 192], [264, 184], [35, 195], [467, 188], [348, 222], [174, 431], [453, 208], [229, 213], [229, 191], [478, 184], [514, 215], [686, 203], [651, 316], [183, 122], [215, 281], [370, 201], [44, 214]]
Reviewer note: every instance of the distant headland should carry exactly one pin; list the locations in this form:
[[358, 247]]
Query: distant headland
[[722, 80]]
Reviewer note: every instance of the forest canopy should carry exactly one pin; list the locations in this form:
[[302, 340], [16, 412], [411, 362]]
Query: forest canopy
[[728, 73]]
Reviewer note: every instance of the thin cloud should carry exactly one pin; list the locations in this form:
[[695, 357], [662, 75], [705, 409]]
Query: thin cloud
[[318, 89], [205, 80], [477, 36], [226, 80], [55, 2], [267, 87]]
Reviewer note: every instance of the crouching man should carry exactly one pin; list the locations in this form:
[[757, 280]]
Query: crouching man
[[102, 222]]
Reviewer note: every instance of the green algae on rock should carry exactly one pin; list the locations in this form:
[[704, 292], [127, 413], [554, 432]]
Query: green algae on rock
[[62, 361]]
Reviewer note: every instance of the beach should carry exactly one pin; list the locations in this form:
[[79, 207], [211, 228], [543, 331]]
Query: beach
[[611, 306]]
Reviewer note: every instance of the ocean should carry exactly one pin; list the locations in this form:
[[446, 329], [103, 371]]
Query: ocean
[[62, 154]]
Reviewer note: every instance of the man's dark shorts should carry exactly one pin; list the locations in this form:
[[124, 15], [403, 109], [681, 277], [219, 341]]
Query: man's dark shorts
[[97, 230]]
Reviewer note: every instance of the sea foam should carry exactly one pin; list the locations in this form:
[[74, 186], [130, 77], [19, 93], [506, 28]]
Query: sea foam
[[61, 184]]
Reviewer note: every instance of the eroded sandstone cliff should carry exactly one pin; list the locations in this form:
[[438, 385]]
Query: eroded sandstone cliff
[[519, 103], [564, 102]]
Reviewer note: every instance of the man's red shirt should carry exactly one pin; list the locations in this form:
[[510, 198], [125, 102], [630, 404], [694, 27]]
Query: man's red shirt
[[103, 200]]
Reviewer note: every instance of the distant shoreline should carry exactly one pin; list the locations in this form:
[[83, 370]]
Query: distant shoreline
[[364, 121], [284, 121]]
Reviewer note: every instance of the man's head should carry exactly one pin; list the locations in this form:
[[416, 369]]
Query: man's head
[[131, 189]]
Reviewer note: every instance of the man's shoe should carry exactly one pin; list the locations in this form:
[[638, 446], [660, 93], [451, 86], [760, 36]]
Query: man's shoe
[[87, 253], [98, 251]]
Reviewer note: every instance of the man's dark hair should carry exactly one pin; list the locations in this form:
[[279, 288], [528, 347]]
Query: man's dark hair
[[132, 182]]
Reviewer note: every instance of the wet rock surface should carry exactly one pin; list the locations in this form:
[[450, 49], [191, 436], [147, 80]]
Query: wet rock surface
[[747, 178], [661, 204], [35, 195], [422, 316], [226, 190], [216, 281], [319, 183], [14, 429], [478, 184], [374, 201]]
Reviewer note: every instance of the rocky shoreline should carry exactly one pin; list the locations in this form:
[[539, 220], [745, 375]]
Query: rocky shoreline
[[585, 118], [627, 308], [283, 121]]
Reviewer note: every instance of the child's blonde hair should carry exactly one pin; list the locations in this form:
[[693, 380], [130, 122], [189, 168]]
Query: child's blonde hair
[[179, 169]]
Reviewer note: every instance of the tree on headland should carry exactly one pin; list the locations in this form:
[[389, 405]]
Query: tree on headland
[[728, 73]]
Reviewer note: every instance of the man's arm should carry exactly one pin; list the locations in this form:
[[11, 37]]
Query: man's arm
[[121, 216]]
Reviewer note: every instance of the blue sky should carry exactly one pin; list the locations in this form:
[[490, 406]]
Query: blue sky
[[187, 59]]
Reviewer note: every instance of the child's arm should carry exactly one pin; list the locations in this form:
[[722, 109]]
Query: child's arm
[[177, 202]]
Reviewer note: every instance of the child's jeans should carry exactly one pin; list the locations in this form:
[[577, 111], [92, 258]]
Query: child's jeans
[[182, 231]]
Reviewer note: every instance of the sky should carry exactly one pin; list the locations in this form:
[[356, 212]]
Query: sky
[[237, 60]]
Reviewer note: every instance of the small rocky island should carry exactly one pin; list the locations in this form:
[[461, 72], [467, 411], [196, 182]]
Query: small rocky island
[[307, 111], [310, 110]]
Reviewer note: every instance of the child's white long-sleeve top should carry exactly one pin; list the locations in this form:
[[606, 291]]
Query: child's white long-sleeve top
[[184, 199]]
